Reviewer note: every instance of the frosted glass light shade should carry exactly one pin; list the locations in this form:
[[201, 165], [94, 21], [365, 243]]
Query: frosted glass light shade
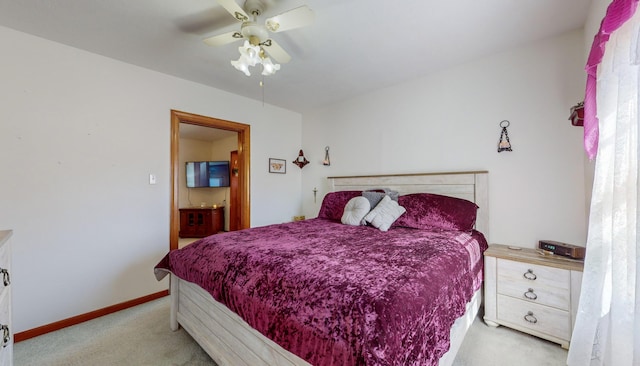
[[251, 55], [250, 52], [241, 65], [268, 67]]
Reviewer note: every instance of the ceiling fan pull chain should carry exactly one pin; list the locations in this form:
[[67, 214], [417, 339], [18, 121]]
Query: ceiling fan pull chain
[[262, 87]]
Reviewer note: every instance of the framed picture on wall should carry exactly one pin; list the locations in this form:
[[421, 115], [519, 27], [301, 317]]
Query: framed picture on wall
[[277, 166]]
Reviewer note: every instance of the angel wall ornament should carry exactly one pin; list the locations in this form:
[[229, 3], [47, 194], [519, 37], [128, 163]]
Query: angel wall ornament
[[504, 144]]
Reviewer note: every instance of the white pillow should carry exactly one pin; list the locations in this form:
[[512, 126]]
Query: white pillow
[[384, 214], [355, 210]]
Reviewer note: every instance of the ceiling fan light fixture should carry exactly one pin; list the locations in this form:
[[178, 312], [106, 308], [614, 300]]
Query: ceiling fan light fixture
[[241, 65], [268, 67], [257, 42], [250, 52], [251, 55]]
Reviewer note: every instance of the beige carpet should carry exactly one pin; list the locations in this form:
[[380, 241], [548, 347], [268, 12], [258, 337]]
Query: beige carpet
[[136, 336], [141, 336]]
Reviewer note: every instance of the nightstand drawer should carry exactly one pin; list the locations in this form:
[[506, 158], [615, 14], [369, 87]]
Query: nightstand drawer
[[549, 296], [539, 318], [532, 273], [539, 284]]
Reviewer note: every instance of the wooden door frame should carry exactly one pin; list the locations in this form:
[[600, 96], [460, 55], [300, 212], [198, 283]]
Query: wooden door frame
[[234, 218], [244, 163]]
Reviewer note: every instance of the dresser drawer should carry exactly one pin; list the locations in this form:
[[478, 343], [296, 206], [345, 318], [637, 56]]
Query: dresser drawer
[[534, 283], [5, 313], [541, 318], [4, 265], [6, 355], [6, 336]]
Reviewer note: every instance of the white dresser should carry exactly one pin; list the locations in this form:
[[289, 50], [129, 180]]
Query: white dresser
[[6, 332], [532, 292]]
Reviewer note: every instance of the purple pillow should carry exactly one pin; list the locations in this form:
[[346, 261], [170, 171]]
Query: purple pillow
[[334, 202], [436, 212]]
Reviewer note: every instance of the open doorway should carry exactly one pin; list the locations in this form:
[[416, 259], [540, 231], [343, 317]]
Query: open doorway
[[242, 166]]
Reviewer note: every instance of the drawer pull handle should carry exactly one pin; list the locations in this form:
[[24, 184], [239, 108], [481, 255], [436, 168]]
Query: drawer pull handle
[[530, 275], [530, 295], [5, 276], [530, 318], [6, 335]]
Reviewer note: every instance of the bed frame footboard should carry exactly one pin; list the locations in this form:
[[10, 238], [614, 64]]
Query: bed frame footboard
[[174, 288], [229, 340], [226, 337]]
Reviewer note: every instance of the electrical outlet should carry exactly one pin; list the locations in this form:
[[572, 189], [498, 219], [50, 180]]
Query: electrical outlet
[[152, 179]]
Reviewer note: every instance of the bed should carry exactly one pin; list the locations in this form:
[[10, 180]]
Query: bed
[[415, 310]]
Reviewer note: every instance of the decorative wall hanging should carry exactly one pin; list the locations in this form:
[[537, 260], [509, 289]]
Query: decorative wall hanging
[[504, 144], [277, 166], [577, 114], [301, 161], [326, 160]]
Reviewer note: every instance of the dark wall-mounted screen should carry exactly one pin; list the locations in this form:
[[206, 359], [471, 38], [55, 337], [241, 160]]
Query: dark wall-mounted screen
[[207, 174]]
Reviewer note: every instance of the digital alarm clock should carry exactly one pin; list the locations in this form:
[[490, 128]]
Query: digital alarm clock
[[564, 249]]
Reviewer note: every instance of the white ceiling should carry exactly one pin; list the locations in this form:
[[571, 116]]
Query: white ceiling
[[353, 47]]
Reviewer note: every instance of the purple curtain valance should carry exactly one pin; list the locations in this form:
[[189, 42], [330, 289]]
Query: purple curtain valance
[[618, 12]]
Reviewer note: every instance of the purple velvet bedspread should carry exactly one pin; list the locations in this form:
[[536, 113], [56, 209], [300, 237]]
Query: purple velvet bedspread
[[340, 295]]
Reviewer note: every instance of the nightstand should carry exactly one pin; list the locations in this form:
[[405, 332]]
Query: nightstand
[[531, 292]]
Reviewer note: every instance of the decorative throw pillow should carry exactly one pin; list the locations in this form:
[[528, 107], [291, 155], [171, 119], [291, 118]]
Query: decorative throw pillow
[[334, 202], [384, 214], [355, 211], [437, 212], [374, 197], [392, 194]]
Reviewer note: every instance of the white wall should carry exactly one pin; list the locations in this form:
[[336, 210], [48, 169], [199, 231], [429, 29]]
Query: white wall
[[79, 136], [597, 11], [449, 121]]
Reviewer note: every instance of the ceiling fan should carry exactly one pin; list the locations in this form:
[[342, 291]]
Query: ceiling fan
[[258, 46]]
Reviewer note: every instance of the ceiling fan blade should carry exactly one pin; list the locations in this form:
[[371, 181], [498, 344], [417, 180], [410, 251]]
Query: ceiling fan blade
[[294, 18], [234, 9], [276, 52], [222, 39]]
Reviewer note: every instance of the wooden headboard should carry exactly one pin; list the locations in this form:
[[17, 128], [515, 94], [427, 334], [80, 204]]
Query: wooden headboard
[[472, 186]]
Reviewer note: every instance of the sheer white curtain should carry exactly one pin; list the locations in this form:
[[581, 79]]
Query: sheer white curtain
[[607, 328]]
